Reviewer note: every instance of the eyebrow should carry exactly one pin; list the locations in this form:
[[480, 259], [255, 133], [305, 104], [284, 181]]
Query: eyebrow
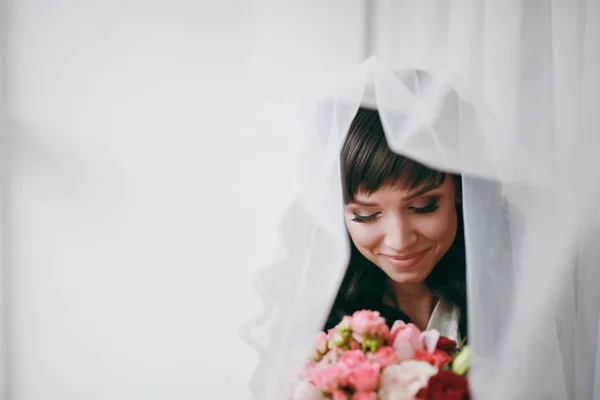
[[411, 196]]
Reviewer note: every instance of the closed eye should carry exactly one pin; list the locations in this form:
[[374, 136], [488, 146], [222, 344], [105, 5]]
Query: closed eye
[[429, 208]]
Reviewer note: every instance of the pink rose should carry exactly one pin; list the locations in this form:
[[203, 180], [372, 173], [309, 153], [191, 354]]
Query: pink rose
[[403, 381], [364, 396], [309, 371], [364, 377], [370, 322], [384, 332], [329, 378], [332, 356], [320, 345], [407, 339], [386, 355], [339, 395], [352, 358], [321, 342], [306, 391]]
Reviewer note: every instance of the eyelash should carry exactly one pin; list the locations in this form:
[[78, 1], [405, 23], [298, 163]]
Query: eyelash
[[431, 207], [361, 219]]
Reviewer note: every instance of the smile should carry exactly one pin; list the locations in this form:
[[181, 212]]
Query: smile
[[406, 261]]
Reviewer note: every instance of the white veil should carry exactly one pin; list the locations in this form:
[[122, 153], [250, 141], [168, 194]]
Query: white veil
[[526, 145]]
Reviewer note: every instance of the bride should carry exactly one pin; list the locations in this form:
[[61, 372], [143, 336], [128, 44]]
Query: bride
[[407, 243]]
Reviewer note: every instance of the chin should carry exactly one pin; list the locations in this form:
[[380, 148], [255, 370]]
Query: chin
[[407, 277]]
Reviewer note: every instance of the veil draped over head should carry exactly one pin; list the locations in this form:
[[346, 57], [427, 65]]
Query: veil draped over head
[[531, 189]]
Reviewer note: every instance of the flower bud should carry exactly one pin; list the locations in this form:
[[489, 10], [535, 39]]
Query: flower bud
[[462, 361], [374, 345], [344, 325], [338, 340]]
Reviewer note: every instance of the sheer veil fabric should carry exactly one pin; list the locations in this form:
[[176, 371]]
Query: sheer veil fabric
[[508, 95]]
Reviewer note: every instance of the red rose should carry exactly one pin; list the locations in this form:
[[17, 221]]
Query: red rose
[[447, 345], [446, 386], [437, 358]]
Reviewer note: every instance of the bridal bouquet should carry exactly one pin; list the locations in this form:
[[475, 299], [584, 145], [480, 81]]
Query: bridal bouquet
[[362, 359]]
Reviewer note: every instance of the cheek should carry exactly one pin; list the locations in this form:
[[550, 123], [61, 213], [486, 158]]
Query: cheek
[[440, 227], [364, 235]]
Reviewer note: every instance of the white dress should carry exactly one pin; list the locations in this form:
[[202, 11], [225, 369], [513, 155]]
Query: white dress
[[445, 318]]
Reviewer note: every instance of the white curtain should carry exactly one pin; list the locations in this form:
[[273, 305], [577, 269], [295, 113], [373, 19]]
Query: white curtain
[[146, 144], [3, 175]]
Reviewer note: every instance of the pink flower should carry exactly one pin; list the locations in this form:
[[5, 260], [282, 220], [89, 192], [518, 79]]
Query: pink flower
[[403, 381], [310, 371], [319, 348], [358, 337], [332, 356], [334, 337], [352, 358], [370, 322], [331, 333], [339, 395], [364, 396], [328, 378], [430, 339], [345, 323], [364, 377], [396, 327], [335, 334], [384, 332], [386, 355], [306, 391], [320, 343], [406, 340]]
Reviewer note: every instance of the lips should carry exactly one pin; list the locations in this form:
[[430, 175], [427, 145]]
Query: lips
[[405, 261]]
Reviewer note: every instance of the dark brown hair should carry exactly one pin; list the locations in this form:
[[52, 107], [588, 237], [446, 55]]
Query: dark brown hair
[[368, 164]]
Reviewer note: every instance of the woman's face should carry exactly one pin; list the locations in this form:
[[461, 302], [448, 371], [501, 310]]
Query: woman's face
[[404, 232]]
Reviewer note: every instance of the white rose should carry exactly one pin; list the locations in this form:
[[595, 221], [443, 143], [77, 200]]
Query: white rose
[[403, 381]]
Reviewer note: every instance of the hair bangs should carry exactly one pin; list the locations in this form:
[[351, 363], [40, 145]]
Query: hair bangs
[[368, 164]]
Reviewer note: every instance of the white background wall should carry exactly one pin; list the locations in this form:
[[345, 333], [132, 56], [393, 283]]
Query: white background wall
[[147, 141]]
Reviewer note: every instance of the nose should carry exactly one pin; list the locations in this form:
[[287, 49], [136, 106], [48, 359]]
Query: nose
[[400, 235]]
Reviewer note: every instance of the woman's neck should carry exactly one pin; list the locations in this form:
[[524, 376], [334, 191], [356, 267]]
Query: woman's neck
[[415, 300]]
